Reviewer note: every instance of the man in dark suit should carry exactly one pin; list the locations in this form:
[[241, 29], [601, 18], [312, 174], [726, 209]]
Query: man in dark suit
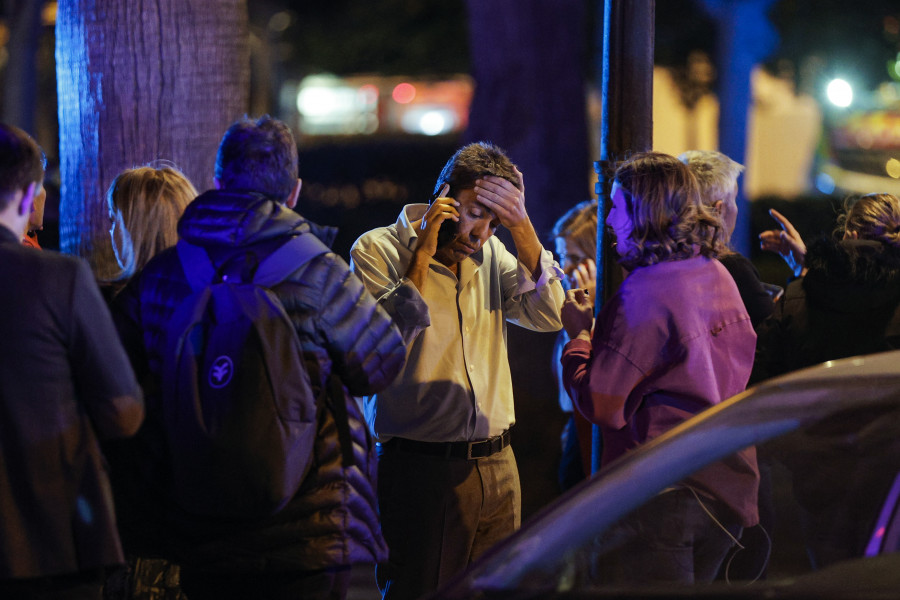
[[64, 380]]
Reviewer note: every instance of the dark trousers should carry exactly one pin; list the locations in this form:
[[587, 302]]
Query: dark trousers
[[75, 586], [327, 584], [440, 514], [669, 539], [571, 466]]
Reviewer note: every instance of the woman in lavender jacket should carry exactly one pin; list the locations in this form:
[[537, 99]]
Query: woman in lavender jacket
[[674, 340]]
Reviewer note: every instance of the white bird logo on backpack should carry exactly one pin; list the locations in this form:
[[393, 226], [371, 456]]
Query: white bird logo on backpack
[[220, 372]]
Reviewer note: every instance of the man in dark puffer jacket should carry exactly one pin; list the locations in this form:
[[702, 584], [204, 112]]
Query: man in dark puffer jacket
[[306, 549]]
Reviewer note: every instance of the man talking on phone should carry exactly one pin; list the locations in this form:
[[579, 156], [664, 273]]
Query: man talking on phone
[[448, 485]]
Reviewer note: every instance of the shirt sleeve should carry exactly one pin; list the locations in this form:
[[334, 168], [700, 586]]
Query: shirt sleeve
[[383, 276], [599, 380], [104, 379], [528, 303]]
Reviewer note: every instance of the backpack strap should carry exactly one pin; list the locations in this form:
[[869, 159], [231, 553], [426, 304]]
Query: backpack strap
[[293, 254], [336, 401], [198, 267], [275, 268]]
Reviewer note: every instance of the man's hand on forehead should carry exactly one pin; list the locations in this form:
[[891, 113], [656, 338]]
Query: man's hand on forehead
[[488, 209], [503, 199]]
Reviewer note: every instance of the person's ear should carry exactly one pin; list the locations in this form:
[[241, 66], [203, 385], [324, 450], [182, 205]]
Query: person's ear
[[291, 202], [25, 203], [719, 207]]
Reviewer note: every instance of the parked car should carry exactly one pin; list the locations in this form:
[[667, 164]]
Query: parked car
[[828, 442]]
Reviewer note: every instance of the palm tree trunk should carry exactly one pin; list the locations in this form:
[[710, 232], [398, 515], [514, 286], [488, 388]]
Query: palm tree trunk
[[529, 65], [141, 81]]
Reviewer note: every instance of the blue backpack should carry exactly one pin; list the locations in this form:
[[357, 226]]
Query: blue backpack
[[238, 406]]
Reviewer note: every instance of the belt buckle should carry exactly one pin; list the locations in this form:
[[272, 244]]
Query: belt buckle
[[492, 445], [469, 447]]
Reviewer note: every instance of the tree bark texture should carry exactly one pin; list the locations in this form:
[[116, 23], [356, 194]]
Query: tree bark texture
[[138, 82], [529, 65]]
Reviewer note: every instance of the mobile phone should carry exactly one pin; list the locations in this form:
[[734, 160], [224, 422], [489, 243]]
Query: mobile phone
[[448, 230], [775, 291]]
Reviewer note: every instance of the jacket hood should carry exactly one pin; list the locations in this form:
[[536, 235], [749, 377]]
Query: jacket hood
[[852, 275], [229, 219]]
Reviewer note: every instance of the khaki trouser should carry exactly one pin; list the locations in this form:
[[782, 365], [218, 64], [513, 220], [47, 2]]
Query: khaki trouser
[[440, 514]]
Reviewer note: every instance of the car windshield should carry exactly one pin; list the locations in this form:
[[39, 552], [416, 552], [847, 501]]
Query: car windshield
[[825, 496]]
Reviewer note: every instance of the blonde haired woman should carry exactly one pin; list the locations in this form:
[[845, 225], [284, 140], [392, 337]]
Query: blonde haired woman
[[674, 340], [145, 204]]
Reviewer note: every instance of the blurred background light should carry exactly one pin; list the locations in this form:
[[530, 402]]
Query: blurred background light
[[893, 168], [370, 104], [429, 120], [280, 21], [825, 183], [839, 93], [330, 106], [368, 94], [433, 123], [404, 93]]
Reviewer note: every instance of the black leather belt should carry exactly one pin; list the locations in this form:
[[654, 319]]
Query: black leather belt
[[465, 450]]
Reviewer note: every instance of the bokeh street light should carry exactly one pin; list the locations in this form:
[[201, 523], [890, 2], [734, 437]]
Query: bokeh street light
[[839, 93]]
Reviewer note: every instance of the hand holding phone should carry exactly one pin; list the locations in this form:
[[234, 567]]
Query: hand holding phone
[[439, 224], [448, 229]]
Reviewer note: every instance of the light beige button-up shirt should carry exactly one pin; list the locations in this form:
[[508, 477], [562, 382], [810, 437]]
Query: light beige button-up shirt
[[456, 384]]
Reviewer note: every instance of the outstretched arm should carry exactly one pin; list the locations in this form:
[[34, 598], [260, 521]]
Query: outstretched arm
[[786, 242]]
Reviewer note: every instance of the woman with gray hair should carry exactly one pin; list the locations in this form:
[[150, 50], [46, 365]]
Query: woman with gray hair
[[717, 177]]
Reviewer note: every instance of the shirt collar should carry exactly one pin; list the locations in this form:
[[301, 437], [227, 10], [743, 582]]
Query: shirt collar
[[405, 230]]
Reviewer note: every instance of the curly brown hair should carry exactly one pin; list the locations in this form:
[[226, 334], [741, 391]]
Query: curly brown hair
[[670, 222]]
